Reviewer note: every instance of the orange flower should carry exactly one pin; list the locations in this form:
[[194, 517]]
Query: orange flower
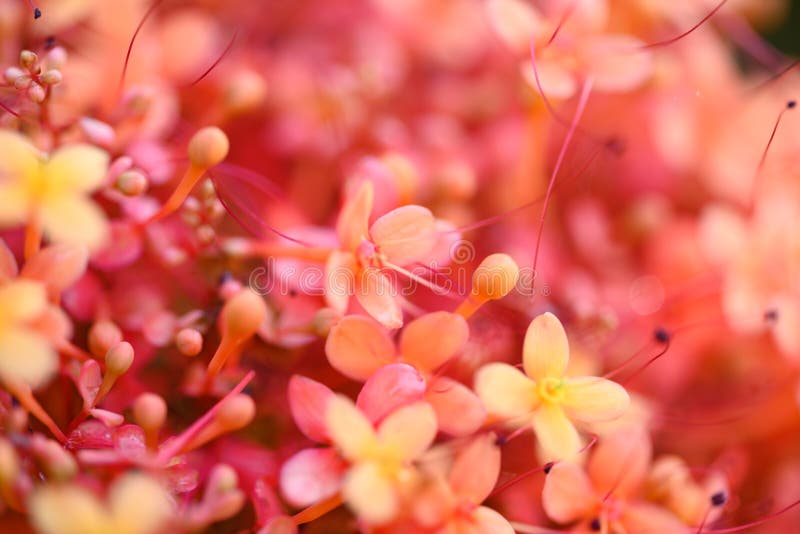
[[544, 396]]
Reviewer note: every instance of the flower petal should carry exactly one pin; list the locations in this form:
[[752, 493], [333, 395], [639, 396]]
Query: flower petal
[[21, 300], [8, 263], [409, 431], [19, 159], [488, 521], [77, 168], [389, 388], [308, 402], [475, 469], [505, 391], [620, 462], [593, 399], [568, 494], [340, 272], [67, 510], [459, 411], [556, 434], [434, 338], [357, 346], [376, 295], [616, 63], [311, 475], [370, 494], [405, 235], [545, 351], [74, 220], [26, 356], [153, 505], [646, 518], [15, 203], [515, 21], [349, 429], [352, 227], [556, 81]]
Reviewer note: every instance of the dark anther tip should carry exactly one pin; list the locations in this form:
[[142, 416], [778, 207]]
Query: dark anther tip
[[791, 104], [719, 498], [548, 467], [661, 335], [37, 13], [595, 524], [500, 441]]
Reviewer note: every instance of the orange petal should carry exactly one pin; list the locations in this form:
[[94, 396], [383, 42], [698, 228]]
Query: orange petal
[[348, 428], [785, 330], [616, 63], [556, 434], [389, 388], [488, 521], [434, 338], [649, 518], [340, 273], [21, 300], [8, 263], [370, 494], [405, 235], [723, 234], [475, 469], [593, 399], [568, 494], [353, 224], [376, 295], [311, 475], [357, 346], [556, 81], [515, 21], [308, 402], [545, 351], [505, 391], [459, 411], [620, 462], [409, 431]]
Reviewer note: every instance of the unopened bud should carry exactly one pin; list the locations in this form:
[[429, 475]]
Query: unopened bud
[[223, 478], [242, 315], [102, 336], [12, 74], [189, 341], [495, 277], [51, 77], [97, 131], [119, 358], [36, 93], [56, 57], [132, 183], [208, 147], [150, 411], [27, 59], [236, 412]]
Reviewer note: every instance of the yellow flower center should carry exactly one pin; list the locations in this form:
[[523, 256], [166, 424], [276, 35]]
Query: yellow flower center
[[551, 389]]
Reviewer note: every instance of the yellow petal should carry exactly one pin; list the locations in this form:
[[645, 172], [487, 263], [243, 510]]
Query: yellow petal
[[405, 235], [370, 494], [378, 297], [67, 510], [409, 431], [568, 494], [353, 223], [139, 504], [74, 220], [556, 434], [15, 204], [76, 169], [593, 399], [348, 428], [545, 351], [19, 159], [26, 356], [505, 391], [21, 300]]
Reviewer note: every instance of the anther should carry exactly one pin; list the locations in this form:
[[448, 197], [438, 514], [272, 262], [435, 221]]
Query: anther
[[37, 13], [548, 467], [595, 524], [661, 335], [771, 315], [791, 104], [718, 499]]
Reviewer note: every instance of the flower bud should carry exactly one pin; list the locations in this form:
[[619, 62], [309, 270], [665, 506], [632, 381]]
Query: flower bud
[[242, 315], [132, 183], [236, 413], [27, 59], [208, 147], [56, 57], [495, 277], [119, 358], [97, 131], [149, 411], [102, 336], [51, 77], [12, 74], [36, 93], [189, 341]]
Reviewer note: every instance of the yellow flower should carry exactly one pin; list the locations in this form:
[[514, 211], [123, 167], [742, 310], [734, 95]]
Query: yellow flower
[[551, 400], [137, 504], [25, 354], [52, 192]]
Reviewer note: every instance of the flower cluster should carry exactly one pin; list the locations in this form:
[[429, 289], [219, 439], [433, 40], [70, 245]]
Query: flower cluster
[[230, 235]]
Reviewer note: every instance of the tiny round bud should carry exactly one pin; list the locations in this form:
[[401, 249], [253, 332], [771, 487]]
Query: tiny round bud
[[102, 336], [132, 183], [12, 74], [208, 147], [27, 59], [189, 341], [119, 358], [51, 77], [149, 411], [245, 90], [236, 412], [36, 93], [223, 478], [56, 57], [97, 131], [23, 82], [206, 234], [495, 277], [243, 314]]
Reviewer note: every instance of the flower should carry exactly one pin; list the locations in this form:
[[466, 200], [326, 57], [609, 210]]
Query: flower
[[137, 504], [381, 459], [548, 399], [52, 192]]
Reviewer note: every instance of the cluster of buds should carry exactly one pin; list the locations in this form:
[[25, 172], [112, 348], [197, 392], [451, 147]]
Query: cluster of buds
[[35, 77]]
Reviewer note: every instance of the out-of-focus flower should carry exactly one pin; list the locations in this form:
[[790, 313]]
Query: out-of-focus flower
[[52, 193], [550, 399]]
